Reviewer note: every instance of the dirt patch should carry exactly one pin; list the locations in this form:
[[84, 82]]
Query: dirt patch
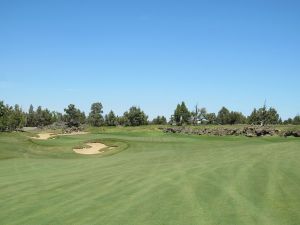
[[94, 148]]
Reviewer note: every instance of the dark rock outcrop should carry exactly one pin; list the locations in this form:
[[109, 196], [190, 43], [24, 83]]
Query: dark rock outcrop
[[292, 133], [248, 131]]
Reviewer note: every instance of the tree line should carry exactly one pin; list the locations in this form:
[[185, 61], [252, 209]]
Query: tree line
[[14, 118], [261, 116]]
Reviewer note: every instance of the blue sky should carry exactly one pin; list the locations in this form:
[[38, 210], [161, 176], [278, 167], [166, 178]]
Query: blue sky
[[152, 54]]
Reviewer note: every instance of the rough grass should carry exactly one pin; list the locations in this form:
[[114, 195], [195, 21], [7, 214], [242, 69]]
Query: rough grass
[[153, 178]]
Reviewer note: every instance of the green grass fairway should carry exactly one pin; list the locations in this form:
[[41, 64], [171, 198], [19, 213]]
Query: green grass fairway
[[150, 178]]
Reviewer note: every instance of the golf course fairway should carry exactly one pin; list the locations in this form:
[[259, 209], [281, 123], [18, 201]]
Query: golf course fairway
[[149, 178]]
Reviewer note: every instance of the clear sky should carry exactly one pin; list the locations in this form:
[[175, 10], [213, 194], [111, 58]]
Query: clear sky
[[152, 54]]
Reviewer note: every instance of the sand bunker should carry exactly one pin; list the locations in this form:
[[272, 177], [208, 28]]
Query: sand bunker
[[95, 148], [45, 136]]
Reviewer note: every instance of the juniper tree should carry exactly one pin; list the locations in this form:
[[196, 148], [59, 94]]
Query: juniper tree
[[95, 117]]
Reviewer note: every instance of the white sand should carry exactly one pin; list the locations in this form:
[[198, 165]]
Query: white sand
[[95, 148]]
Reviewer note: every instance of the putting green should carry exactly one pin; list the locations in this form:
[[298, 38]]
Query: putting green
[[150, 178]]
